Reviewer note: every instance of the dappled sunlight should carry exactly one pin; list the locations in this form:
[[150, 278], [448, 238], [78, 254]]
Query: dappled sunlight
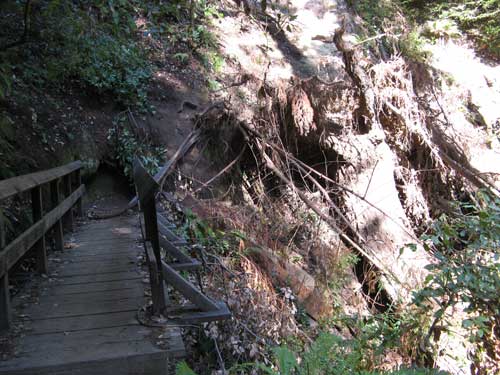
[[474, 86]]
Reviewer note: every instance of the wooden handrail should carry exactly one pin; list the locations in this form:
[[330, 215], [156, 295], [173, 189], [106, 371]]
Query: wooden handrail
[[17, 248], [34, 237], [155, 227], [20, 184]]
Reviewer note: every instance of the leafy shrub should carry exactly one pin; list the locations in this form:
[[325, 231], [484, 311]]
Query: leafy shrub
[[108, 65], [126, 146], [480, 19], [93, 43], [467, 247], [329, 354]]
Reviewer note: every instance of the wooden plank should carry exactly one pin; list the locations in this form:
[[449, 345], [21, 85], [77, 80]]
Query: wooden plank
[[157, 289], [68, 267], [104, 239], [101, 351], [91, 253], [58, 227], [78, 178], [86, 261], [17, 248], [85, 296], [67, 189], [170, 235], [105, 244], [26, 182], [5, 311], [187, 289], [57, 289], [86, 324], [191, 266], [146, 188], [145, 184], [173, 251], [103, 277], [3, 234], [91, 267], [76, 271], [221, 313], [79, 323], [129, 364], [81, 308], [39, 247], [165, 221]]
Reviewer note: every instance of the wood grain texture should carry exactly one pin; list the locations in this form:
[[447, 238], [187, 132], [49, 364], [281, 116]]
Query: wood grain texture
[[16, 185], [17, 248], [82, 319]]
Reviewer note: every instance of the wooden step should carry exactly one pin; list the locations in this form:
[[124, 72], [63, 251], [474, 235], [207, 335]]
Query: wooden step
[[183, 316], [190, 266]]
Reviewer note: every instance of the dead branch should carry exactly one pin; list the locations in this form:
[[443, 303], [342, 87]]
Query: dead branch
[[327, 218], [160, 176], [247, 129], [224, 170]]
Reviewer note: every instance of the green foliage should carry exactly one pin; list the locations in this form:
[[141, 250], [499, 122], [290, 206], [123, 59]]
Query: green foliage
[[181, 57], [220, 242], [94, 44], [385, 21], [183, 368], [111, 66], [330, 354], [126, 146], [413, 46], [480, 19], [214, 61], [467, 247]]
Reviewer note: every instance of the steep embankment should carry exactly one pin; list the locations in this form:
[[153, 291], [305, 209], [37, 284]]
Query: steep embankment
[[343, 152]]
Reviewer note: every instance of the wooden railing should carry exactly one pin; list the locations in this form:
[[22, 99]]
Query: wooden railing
[[158, 237], [55, 215]]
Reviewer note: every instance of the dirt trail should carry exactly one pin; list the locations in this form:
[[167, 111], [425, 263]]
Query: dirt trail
[[278, 55]]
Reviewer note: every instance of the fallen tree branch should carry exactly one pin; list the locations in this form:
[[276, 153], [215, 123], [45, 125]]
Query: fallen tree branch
[[224, 170], [160, 176], [327, 218], [247, 129]]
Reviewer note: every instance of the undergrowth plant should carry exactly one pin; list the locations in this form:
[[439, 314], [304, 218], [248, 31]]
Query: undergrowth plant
[[479, 19], [218, 241], [328, 354], [126, 146], [467, 276]]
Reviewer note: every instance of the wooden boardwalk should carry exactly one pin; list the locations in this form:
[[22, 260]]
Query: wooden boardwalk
[[82, 318]]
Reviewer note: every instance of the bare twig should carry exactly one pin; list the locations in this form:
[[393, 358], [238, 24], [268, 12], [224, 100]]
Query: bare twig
[[373, 258], [219, 357], [224, 170]]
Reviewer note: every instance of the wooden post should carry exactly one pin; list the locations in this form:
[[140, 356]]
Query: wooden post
[[5, 313], [58, 228], [68, 189], [79, 206], [146, 191], [39, 247]]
